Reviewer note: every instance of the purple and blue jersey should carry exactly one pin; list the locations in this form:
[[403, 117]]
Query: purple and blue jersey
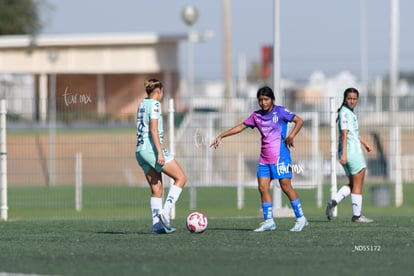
[[273, 128]]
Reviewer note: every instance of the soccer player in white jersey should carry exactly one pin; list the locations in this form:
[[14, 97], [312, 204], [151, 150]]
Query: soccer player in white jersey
[[275, 161], [351, 157], [154, 158]]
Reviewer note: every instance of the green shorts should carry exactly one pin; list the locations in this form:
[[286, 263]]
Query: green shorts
[[354, 164], [148, 160]]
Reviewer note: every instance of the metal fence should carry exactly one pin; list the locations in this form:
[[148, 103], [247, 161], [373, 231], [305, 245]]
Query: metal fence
[[107, 144], [44, 154]]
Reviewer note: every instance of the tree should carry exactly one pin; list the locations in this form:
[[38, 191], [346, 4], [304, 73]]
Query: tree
[[20, 17]]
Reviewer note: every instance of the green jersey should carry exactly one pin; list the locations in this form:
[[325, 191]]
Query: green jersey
[[349, 121], [147, 110]]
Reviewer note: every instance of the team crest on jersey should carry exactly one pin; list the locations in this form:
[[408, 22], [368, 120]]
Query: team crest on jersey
[[275, 119]]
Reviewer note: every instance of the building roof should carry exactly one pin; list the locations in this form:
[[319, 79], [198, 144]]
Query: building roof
[[94, 39], [90, 53]]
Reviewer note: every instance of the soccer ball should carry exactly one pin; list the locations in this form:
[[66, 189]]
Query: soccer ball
[[196, 222]]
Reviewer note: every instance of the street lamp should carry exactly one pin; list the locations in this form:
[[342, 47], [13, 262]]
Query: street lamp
[[190, 15]]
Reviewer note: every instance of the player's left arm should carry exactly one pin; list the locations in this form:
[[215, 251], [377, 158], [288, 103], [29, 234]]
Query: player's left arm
[[364, 142], [298, 125], [157, 143]]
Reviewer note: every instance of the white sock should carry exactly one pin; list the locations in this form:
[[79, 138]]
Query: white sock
[[156, 204], [356, 204], [173, 195], [342, 194]]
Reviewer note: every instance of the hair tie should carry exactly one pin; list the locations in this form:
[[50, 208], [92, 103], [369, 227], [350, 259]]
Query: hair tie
[[148, 84]]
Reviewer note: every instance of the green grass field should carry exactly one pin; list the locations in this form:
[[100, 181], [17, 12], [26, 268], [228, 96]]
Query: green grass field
[[110, 236]]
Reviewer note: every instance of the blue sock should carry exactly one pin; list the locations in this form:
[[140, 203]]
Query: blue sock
[[297, 208], [267, 210]]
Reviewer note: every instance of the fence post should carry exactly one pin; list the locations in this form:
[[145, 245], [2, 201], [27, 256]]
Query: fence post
[[240, 181], [333, 152], [171, 137], [3, 160], [78, 181]]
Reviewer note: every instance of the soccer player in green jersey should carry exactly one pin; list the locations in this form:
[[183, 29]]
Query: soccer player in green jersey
[[351, 157], [155, 159]]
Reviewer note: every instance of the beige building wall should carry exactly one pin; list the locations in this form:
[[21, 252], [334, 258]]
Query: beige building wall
[[106, 70]]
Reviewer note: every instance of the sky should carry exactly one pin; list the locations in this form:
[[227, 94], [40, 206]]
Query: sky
[[314, 35]]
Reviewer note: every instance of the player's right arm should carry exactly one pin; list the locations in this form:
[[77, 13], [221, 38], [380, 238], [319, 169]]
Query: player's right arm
[[237, 129], [344, 138], [365, 144]]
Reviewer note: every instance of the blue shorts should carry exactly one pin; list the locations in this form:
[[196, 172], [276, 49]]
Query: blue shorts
[[283, 169], [148, 160]]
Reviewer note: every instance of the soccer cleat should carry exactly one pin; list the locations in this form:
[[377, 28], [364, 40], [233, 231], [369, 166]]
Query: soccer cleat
[[362, 219], [158, 228], [300, 223], [267, 225], [164, 220], [330, 208]]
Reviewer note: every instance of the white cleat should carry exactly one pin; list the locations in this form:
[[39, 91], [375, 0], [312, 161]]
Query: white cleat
[[362, 219], [300, 224], [267, 225]]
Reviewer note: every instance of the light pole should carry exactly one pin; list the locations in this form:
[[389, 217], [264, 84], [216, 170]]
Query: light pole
[[395, 133], [190, 15]]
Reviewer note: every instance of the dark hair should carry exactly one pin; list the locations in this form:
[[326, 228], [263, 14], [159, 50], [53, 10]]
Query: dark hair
[[346, 93], [265, 91], [151, 84]]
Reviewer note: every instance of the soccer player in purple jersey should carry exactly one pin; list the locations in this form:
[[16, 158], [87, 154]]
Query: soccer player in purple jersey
[[275, 162]]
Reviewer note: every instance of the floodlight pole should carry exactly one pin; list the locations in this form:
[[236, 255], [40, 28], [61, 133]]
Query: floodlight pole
[[277, 191], [228, 80], [364, 55], [190, 15], [276, 54], [395, 129]]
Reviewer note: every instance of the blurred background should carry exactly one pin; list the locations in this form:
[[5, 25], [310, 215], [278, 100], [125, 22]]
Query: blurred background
[[72, 74]]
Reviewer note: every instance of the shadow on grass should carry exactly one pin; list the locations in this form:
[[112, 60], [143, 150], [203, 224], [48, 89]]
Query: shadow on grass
[[123, 233]]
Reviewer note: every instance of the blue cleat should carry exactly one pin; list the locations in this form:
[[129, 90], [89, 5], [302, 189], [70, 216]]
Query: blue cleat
[[164, 219], [158, 228]]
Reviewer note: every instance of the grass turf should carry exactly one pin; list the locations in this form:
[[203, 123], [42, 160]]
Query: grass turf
[[228, 247], [45, 235]]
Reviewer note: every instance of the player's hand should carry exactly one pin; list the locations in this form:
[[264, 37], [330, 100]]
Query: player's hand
[[216, 143], [161, 159], [368, 147], [289, 142]]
